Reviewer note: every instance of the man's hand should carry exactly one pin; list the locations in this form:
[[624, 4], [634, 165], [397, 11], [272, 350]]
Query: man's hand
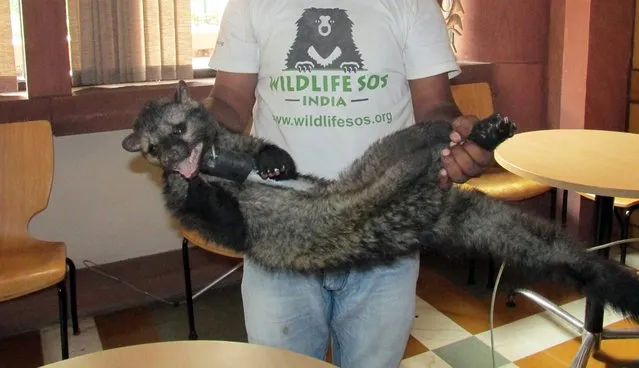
[[463, 159]]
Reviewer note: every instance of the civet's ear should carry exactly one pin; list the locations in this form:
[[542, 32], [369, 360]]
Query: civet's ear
[[182, 92], [132, 142]]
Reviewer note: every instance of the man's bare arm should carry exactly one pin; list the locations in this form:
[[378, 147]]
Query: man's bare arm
[[433, 100], [231, 99]]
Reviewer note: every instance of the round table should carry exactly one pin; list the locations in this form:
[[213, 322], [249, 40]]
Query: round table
[[583, 160], [599, 162], [191, 354]]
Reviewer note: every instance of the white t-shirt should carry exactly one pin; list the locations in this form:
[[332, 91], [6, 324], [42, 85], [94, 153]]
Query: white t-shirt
[[332, 75]]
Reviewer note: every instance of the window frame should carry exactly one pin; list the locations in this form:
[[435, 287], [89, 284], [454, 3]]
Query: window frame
[[49, 93]]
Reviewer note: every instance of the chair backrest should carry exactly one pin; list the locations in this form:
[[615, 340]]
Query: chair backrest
[[26, 175], [474, 99]]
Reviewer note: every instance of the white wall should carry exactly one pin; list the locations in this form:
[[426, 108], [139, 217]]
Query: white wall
[[105, 203]]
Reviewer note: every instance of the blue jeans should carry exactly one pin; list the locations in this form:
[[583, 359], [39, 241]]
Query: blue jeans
[[367, 314]]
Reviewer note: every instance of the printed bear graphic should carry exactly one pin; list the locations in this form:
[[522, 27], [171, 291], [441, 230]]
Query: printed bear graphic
[[324, 40]]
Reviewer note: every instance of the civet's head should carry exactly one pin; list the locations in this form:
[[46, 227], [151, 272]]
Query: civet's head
[[172, 132]]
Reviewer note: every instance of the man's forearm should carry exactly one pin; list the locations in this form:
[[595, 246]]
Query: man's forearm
[[225, 114], [447, 111]]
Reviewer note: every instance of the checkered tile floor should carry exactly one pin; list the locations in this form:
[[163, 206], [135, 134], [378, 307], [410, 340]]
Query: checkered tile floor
[[451, 327]]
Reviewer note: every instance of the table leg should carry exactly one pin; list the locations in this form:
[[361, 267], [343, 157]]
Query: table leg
[[593, 322], [603, 229]]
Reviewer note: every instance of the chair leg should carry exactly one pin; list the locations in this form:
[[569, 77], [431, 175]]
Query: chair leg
[[564, 205], [471, 271], [491, 273], [623, 216], [62, 306], [510, 299], [564, 208], [189, 290], [74, 299], [553, 204]]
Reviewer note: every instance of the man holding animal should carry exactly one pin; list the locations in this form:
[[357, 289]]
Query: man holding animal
[[323, 83]]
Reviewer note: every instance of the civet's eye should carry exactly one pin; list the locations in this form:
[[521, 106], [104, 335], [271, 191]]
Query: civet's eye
[[179, 129], [152, 150]]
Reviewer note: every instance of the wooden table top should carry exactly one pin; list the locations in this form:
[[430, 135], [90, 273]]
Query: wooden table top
[[190, 354], [584, 160]]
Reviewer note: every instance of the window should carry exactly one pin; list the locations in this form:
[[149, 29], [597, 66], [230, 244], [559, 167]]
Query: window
[[141, 40], [205, 25], [112, 41], [11, 42]]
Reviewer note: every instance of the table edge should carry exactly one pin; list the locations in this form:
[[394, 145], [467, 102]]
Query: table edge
[[158, 344], [599, 191]]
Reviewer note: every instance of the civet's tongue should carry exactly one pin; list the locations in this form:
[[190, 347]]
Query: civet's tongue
[[189, 166]]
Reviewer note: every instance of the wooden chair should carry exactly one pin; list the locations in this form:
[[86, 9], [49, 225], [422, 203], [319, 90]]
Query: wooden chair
[[476, 99], [194, 238], [624, 207], [27, 264]]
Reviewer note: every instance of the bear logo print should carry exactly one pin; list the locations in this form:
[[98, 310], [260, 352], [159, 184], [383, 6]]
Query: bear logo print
[[324, 40]]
